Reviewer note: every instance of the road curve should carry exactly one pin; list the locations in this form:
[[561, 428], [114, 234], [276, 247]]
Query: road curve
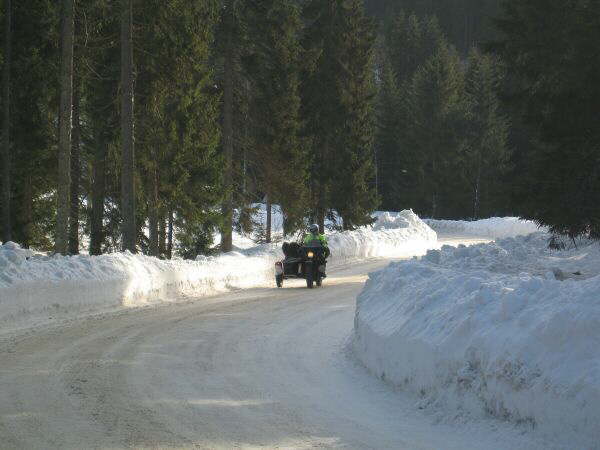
[[264, 368]]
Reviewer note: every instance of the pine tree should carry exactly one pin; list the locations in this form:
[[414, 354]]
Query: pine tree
[[321, 103], [409, 42], [76, 135], [129, 230], [387, 141], [353, 191], [34, 115], [229, 23], [338, 104], [435, 108], [100, 89], [177, 115], [6, 175], [466, 23], [553, 89], [65, 126], [485, 144], [75, 170], [231, 50], [276, 68]]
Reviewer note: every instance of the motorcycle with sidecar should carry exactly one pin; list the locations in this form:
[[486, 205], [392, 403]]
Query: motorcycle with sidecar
[[307, 261]]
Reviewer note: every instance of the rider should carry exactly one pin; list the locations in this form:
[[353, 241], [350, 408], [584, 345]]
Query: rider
[[314, 235]]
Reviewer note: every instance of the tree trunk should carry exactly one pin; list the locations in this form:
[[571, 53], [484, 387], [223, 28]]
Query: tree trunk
[[6, 223], [434, 184], [162, 236], [476, 201], [227, 231], [65, 124], [321, 207], [321, 187], [98, 188], [246, 138], [170, 236], [128, 156], [269, 219], [75, 174], [153, 213], [27, 212]]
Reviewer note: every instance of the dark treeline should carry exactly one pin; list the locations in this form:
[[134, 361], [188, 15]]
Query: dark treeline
[[442, 145], [466, 23], [147, 125], [135, 125], [491, 108]]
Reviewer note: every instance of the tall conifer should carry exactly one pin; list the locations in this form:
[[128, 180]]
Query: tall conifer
[[435, 104], [283, 158], [485, 143], [353, 192]]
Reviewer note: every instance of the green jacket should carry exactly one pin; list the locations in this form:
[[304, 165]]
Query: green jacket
[[315, 237]]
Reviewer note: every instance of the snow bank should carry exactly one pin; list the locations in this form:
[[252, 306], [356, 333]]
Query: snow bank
[[493, 228], [393, 235], [508, 328], [33, 284]]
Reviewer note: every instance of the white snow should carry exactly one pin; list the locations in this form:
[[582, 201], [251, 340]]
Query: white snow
[[38, 285], [509, 328], [493, 228]]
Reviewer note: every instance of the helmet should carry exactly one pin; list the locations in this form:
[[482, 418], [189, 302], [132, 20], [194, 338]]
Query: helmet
[[314, 228]]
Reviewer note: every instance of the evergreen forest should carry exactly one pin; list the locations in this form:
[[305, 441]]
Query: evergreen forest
[[149, 125]]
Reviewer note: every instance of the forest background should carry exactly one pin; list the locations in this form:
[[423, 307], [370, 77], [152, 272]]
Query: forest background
[[147, 125]]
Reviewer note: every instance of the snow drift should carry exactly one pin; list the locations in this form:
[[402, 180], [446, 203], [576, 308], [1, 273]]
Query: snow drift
[[509, 328], [493, 228], [33, 284]]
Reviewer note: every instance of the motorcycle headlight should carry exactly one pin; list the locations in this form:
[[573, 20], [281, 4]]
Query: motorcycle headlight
[[311, 254]]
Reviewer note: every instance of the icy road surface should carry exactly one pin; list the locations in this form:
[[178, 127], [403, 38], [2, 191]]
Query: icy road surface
[[264, 368]]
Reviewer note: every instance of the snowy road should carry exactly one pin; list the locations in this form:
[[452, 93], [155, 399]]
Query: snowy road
[[263, 368]]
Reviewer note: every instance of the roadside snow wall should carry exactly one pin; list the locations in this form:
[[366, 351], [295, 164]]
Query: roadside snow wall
[[492, 329], [493, 228], [33, 284]]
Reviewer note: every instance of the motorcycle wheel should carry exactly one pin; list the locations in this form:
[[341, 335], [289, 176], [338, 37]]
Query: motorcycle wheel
[[309, 280], [308, 270]]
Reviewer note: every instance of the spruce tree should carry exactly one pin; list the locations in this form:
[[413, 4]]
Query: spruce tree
[[435, 108], [100, 89], [409, 43], [178, 113], [554, 91], [230, 53], [276, 67], [338, 104], [34, 117], [353, 193], [129, 229], [6, 175], [485, 144], [387, 139], [321, 103], [229, 21]]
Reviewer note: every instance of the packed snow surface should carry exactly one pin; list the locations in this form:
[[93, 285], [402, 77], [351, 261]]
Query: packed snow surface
[[493, 228], [510, 329], [32, 284]]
